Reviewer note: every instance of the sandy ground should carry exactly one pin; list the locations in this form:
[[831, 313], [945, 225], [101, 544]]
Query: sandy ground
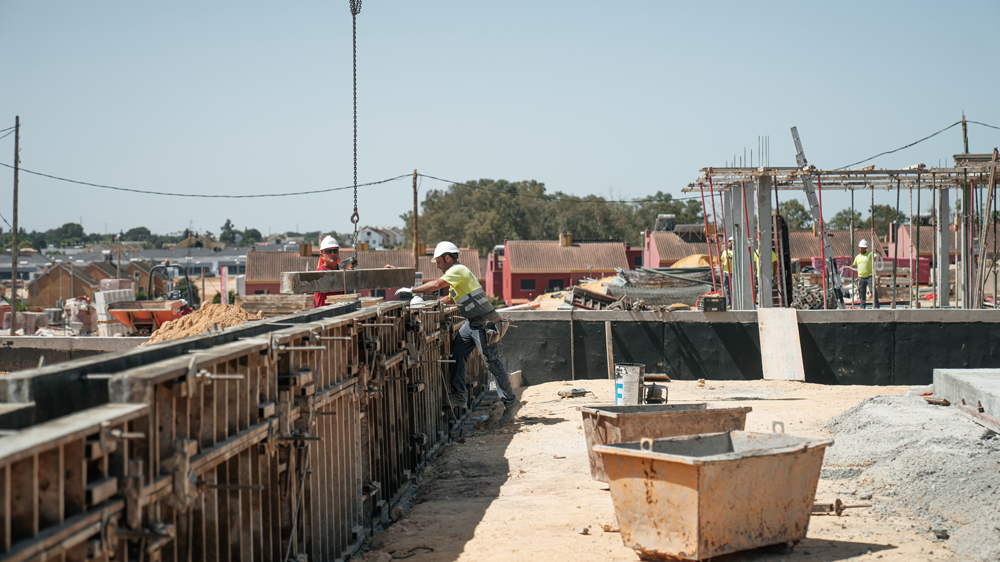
[[523, 493]]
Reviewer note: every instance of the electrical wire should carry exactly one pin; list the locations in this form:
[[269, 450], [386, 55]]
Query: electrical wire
[[900, 148], [7, 135], [5, 220], [208, 196], [983, 124], [553, 198], [8, 128], [917, 142]]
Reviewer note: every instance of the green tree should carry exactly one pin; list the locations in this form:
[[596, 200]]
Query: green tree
[[842, 220], [484, 213], [181, 286], [227, 235], [885, 216], [796, 215], [138, 234], [251, 236]]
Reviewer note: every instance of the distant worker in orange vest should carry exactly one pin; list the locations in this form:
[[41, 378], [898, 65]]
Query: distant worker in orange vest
[[329, 260]]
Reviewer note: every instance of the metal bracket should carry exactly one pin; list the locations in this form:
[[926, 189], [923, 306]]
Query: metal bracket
[[107, 435]]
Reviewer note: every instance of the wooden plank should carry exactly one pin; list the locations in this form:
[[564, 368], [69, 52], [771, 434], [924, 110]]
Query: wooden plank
[[50, 488], [351, 280], [780, 349], [24, 498]]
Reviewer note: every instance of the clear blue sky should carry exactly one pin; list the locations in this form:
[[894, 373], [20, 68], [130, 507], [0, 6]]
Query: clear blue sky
[[622, 98]]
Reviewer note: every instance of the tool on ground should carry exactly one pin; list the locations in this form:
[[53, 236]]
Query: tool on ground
[[575, 393], [837, 507]]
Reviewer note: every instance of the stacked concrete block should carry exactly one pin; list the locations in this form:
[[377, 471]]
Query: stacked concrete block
[[30, 322], [107, 325]]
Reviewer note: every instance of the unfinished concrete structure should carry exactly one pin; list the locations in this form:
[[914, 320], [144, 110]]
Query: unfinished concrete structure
[[746, 194]]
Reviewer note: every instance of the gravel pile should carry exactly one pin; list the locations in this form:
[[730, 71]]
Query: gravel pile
[[902, 452]]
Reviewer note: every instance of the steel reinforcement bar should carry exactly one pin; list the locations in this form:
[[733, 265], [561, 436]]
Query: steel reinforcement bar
[[287, 439]]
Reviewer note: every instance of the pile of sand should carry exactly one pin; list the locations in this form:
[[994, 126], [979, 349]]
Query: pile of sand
[[224, 315], [694, 260]]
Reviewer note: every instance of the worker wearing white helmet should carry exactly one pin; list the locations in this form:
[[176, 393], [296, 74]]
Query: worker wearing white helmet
[[727, 268], [483, 330], [864, 262], [329, 260]]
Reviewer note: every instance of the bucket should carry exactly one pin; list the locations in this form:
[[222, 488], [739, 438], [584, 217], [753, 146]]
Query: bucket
[[628, 383], [701, 496], [608, 425]]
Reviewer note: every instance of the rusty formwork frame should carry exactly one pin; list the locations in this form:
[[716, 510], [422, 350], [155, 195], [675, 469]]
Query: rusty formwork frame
[[291, 444]]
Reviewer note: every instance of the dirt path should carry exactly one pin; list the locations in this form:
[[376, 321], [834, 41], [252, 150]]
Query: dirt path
[[523, 493]]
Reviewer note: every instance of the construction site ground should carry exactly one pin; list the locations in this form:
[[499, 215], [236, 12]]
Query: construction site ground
[[524, 491]]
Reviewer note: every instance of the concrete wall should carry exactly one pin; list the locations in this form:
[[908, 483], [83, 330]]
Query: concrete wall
[[883, 347], [23, 352]]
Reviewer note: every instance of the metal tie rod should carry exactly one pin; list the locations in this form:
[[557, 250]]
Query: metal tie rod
[[301, 348], [340, 338], [377, 325]]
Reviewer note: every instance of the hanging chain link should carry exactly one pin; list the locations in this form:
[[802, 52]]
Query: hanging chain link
[[355, 10]]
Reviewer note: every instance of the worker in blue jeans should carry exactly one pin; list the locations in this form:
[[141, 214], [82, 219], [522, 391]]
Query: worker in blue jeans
[[483, 329]]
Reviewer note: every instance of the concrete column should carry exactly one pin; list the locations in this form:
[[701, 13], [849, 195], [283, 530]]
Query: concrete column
[[743, 218], [944, 246], [764, 232]]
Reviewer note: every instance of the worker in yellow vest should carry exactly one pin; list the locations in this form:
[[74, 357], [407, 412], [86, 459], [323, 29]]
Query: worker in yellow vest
[[727, 268], [864, 262]]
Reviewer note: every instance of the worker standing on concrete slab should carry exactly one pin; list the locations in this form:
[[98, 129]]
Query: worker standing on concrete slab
[[484, 327], [864, 262], [727, 268], [329, 260]]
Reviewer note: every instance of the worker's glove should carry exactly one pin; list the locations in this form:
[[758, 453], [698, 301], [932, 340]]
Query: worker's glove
[[404, 294]]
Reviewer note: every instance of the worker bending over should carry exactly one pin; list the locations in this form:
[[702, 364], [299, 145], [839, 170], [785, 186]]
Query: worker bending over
[[864, 262], [483, 330]]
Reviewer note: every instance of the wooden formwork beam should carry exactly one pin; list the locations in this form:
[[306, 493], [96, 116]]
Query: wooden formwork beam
[[299, 439], [350, 280]]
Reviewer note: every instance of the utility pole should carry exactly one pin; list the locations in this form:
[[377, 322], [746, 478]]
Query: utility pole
[[13, 250], [416, 246], [964, 237]]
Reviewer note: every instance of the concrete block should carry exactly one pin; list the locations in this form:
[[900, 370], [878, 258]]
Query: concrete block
[[972, 385]]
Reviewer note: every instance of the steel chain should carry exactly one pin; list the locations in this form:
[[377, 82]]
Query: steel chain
[[355, 218]]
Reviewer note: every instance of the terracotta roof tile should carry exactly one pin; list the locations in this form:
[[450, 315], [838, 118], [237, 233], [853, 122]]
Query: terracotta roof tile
[[671, 247], [267, 267], [803, 245], [545, 256]]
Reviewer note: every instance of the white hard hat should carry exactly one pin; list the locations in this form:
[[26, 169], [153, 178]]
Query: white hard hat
[[730, 238], [863, 243], [445, 248], [328, 242]]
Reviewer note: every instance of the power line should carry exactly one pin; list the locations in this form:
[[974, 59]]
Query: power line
[[5, 220], [900, 148], [983, 124], [553, 198], [8, 128], [917, 142], [207, 196], [7, 135]]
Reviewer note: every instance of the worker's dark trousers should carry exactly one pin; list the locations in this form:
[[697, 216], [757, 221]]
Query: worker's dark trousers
[[725, 289], [864, 284], [470, 336]]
